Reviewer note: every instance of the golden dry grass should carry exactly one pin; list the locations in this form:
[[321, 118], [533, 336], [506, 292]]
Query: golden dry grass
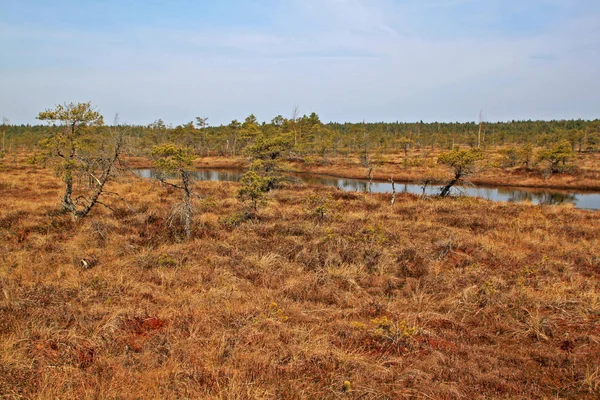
[[438, 299]]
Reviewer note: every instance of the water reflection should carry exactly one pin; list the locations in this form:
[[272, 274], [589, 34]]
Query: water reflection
[[507, 194], [200, 175]]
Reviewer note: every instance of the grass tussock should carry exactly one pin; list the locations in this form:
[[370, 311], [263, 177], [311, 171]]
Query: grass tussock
[[439, 298]]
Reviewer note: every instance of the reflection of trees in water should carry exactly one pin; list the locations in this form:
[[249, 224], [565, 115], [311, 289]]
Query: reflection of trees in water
[[516, 196], [144, 173], [229, 176], [201, 175], [223, 176], [353, 185], [538, 197], [556, 198], [319, 180]]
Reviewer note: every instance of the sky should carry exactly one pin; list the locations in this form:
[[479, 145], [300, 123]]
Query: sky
[[346, 60]]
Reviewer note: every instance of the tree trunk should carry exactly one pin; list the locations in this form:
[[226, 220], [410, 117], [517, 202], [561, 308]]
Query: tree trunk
[[446, 189], [187, 204], [370, 181], [106, 173], [67, 202]]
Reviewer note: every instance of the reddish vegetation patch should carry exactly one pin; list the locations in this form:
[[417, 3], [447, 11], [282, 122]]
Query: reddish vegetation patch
[[60, 352], [441, 344], [140, 330], [144, 326]]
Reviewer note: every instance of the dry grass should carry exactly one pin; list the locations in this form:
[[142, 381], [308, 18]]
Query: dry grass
[[444, 299]]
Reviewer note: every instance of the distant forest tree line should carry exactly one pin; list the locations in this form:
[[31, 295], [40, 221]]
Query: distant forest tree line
[[309, 136]]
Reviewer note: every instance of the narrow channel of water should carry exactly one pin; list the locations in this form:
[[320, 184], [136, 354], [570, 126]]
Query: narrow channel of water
[[583, 200]]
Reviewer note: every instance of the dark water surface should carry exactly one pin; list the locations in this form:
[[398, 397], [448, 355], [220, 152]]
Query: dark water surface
[[584, 200]]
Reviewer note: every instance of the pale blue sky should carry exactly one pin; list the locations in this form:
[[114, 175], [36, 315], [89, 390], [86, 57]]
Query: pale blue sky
[[348, 60]]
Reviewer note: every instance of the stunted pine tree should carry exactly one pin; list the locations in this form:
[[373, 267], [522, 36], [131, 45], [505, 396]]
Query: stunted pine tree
[[80, 149], [264, 174], [462, 163], [170, 159], [556, 157], [265, 153], [526, 155], [253, 190], [232, 132], [405, 144], [201, 126]]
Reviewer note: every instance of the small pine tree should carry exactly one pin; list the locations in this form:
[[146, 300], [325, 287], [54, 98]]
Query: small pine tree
[[171, 159], [79, 148], [556, 157], [253, 190], [264, 174], [526, 155], [462, 163]]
